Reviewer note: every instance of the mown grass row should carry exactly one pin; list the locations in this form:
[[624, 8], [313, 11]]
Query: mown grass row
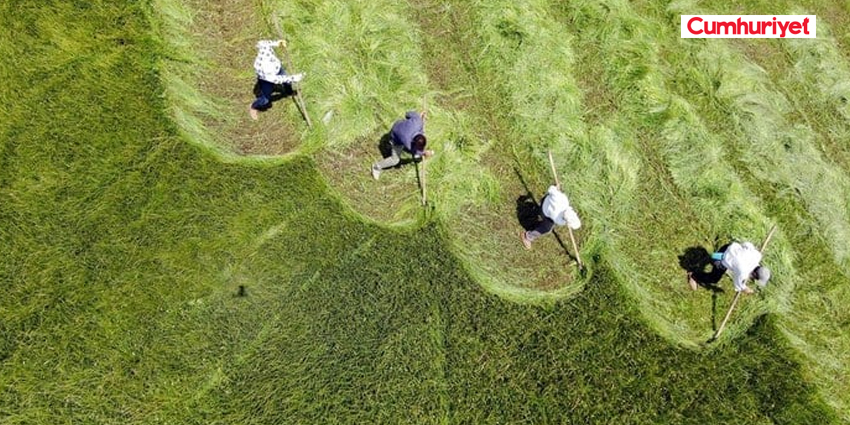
[[823, 363], [683, 193], [366, 73], [817, 324], [358, 50], [472, 34], [781, 151], [778, 148], [456, 184]]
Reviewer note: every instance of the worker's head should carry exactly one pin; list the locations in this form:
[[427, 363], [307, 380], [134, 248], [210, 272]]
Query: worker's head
[[761, 275], [419, 143]]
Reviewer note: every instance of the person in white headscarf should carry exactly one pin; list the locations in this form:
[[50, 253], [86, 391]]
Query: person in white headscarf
[[556, 210]]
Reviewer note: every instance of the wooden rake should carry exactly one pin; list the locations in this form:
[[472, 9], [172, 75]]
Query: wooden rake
[[291, 69], [421, 168], [558, 185], [738, 294]]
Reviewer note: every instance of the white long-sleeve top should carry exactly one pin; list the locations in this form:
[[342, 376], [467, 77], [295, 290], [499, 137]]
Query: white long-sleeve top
[[740, 260], [267, 64], [557, 207]]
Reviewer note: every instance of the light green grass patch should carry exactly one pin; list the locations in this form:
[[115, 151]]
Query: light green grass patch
[[785, 154], [684, 193]]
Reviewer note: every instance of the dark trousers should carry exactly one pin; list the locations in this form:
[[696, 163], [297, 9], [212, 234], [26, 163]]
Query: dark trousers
[[542, 228], [714, 275], [265, 89], [264, 100]]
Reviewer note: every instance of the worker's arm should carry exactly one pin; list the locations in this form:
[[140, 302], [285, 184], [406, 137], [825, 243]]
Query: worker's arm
[[420, 155], [740, 283], [571, 218], [285, 79], [268, 44]]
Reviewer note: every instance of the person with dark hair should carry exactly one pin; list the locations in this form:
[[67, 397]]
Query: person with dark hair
[[407, 135], [270, 73], [741, 261]]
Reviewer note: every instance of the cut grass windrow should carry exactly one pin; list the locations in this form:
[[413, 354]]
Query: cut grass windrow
[[503, 130], [789, 173], [365, 74], [684, 193]]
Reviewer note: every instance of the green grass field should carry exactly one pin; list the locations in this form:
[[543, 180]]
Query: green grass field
[[164, 259]]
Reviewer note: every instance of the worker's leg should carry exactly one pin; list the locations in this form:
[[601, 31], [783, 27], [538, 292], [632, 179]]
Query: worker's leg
[[264, 100], [717, 267], [390, 161], [715, 274], [543, 228]]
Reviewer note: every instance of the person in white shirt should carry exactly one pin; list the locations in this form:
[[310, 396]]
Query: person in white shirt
[[556, 210], [270, 73], [741, 261]]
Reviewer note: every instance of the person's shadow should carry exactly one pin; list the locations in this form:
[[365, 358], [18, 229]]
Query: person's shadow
[[527, 212], [696, 260]]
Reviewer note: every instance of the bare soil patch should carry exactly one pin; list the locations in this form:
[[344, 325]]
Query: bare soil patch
[[226, 32], [395, 197]]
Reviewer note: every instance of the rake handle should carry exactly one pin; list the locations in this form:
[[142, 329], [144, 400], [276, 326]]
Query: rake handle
[[569, 229], [554, 172], [738, 294], [575, 248], [728, 315], [296, 86], [422, 168]]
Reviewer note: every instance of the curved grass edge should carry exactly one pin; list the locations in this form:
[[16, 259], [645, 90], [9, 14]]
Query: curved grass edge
[[168, 19], [186, 103]]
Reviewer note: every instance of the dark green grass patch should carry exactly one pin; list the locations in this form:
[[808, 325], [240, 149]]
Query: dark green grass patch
[[447, 351]]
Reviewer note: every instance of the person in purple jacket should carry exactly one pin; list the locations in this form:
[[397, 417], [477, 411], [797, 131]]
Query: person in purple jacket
[[407, 135]]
